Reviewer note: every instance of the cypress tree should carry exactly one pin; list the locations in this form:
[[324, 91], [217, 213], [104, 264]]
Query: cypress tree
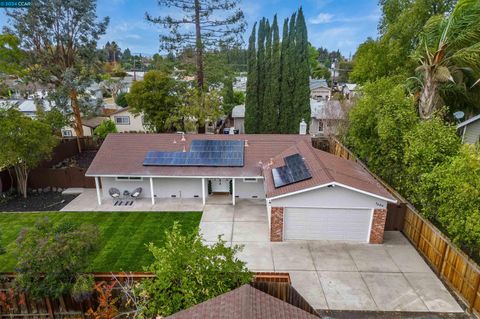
[[251, 100], [291, 76], [301, 94], [261, 73], [284, 85], [272, 105], [266, 126]]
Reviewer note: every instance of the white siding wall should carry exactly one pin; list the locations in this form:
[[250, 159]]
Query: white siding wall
[[330, 197], [135, 125], [108, 182], [249, 189], [181, 187], [472, 133]]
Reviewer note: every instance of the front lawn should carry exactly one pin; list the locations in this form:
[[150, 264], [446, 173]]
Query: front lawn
[[123, 235]]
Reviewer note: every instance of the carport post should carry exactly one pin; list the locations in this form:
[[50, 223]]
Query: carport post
[[152, 193], [203, 191], [233, 191], [97, 186]]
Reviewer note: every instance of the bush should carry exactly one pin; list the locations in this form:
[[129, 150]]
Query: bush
[[50, 257], [121, 99], [83, 287], [188, 273], [105, 128], [450, 194]]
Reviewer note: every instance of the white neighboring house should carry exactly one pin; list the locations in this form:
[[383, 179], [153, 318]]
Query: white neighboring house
[[27, 107], [326, 117], [319, 90], [470, 130], [240, 83], [350, 90], [127, 122], [238, 115]]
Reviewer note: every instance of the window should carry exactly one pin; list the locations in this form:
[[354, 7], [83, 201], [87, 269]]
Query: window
[[249, 180], [128, 178], [122, 120], [67, 133]]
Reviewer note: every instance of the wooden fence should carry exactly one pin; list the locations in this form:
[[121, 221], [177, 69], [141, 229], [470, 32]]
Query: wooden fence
[[60, 177], [460, 273]]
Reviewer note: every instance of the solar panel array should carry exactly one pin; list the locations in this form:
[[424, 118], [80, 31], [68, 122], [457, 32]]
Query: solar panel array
[[202, 153], [294, 171]]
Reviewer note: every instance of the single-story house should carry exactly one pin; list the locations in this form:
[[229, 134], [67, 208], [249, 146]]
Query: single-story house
[[309, 194], [326, 117], [126, 121], [470, 130], [319, 89], [245, 302], [238, 115]]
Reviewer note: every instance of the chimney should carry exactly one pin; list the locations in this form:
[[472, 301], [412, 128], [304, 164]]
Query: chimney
[[303, 128]]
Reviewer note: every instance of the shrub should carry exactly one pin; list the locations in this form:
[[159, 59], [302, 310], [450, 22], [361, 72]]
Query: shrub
[[50, 257], [83, 287], [105, 128], [188, 272], [121, 99]]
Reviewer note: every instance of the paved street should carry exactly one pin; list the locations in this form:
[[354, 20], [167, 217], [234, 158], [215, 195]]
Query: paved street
[[333, 275]]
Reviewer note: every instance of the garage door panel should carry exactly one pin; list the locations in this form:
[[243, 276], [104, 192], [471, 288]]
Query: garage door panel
[[327, 224]]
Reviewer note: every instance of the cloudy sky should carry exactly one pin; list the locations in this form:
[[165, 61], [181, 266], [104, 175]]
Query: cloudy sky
[[334, 24]]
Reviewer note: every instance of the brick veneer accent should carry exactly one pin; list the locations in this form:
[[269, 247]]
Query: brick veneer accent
[[276, 224], [378, 226]]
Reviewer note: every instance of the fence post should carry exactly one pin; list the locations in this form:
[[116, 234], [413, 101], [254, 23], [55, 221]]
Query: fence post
[[475, 296], [48, 302]]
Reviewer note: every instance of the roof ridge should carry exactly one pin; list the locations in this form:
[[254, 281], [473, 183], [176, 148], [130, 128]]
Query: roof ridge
[[319, 160]]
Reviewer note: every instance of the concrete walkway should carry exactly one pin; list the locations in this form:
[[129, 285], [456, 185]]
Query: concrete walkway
[[333, 275]]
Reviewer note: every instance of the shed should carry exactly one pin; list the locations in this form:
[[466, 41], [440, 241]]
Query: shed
[[470, 130]]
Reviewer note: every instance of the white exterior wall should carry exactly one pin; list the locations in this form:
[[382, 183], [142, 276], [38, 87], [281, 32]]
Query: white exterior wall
[[330, 197], [135, 125], [320, 93], [249, 189], [180, 187], [87, 131], [109, 182]]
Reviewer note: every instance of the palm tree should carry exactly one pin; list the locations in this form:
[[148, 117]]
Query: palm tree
[[449, 55]]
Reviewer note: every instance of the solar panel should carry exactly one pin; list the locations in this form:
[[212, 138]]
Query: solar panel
[[294, 171], [202, 153]]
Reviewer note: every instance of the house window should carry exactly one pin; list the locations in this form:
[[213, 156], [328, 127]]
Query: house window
[[249, 180], [128, 178], [122, 120], [67, 133]]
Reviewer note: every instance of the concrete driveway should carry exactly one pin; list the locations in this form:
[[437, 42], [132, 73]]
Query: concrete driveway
[[333, 275]]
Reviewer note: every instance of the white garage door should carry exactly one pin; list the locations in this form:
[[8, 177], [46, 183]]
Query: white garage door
[[327, 224]]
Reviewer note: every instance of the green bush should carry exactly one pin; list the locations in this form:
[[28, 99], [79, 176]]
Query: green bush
[[83, 287], [450, 194], [121, 99], [189, 272], [50, 257], [105, 128]]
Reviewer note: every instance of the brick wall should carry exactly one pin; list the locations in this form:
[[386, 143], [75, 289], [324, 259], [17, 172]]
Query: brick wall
[[276, 224], [378, 226]]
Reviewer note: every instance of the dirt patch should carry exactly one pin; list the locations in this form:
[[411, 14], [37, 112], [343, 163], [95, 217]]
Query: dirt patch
[[82, 160], [51, 201]]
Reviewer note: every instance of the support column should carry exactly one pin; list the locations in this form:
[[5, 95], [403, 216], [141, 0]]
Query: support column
[[233, 191], [152, 193], [97, 186], [378, 226], [203, 191]]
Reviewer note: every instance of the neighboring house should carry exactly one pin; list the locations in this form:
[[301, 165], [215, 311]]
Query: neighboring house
[[309, 194], [326, 117], [128, 122], [240, 83], [89, 126], [245, 302], [349, 90], [238, 115], [27, 107], [319, 90], [470, 130]]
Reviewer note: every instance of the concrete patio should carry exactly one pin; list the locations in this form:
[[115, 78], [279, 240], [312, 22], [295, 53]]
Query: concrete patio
[[333, 275]]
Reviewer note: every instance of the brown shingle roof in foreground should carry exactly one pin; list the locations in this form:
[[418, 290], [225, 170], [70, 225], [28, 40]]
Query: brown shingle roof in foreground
[[245, 302]]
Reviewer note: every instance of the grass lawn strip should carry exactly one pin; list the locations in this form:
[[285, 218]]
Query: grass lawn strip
[[123, 235]]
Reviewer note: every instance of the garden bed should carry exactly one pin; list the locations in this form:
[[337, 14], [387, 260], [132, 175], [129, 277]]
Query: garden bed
[[45, 201], [82, 160], [123, 235]]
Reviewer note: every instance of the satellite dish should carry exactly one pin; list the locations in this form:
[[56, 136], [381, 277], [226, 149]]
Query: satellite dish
[[459, 115]]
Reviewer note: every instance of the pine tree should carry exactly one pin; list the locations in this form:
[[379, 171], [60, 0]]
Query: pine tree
[[251, 100], [267, 125], [284, 86], [301, 94]]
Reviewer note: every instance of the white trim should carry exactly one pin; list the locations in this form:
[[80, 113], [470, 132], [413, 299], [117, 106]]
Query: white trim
[[471, 120], [330, 207], [152, 193], [169, 176], [233, 191], [333, 184], [97, 186], [463, 134], [203, 191], [370, 227]]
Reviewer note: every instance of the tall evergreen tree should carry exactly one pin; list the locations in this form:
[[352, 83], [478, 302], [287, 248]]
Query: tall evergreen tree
[[285, 96], [270, 112], [251, 100], [301, 94], [262, 81], [268, 95], [291, 76]]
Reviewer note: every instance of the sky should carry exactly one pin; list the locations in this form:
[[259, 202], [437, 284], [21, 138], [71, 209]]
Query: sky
[[334, 24]]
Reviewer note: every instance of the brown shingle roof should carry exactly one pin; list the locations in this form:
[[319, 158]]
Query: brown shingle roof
[[245, 302], [325, 168]]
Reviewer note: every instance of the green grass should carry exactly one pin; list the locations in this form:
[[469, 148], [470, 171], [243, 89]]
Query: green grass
[[123, 235]]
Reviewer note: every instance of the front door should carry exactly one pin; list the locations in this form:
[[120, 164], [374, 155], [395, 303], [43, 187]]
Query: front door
[[220, 185]]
